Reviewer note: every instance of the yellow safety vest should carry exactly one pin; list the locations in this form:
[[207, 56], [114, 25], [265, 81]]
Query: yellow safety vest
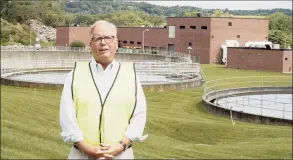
[[107, 122]]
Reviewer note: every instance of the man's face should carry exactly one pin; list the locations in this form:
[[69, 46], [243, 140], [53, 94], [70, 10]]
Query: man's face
[[104, 43]]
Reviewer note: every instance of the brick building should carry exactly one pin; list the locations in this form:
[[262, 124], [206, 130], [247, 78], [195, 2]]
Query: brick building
[[276, 60], [204, 34]]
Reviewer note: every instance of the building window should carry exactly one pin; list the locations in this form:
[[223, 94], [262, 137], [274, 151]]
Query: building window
[[189, 44], [212, 36], [124, 41], [119, 41], [204, 27], [138, 42], [182, 27], [238, 36], [192, 27], [171, 31], [154, 50], [230, 24], [131, 42], [286, 59]]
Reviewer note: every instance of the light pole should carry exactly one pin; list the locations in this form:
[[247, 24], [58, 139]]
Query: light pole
[[143, 39], [30, 35], [189, 49]]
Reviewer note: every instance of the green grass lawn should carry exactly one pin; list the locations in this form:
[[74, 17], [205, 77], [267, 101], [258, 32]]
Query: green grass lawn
[[177, 126]]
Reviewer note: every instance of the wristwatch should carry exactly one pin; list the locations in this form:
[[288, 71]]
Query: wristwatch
[[123, 144]]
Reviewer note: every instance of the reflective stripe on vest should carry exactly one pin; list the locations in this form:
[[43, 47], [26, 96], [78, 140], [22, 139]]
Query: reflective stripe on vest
[[107, 122]]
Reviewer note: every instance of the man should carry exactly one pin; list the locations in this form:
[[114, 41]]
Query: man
[[103, 107]]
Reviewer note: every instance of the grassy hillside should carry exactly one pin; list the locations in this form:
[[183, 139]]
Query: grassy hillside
[[177, 125], [15, 33]]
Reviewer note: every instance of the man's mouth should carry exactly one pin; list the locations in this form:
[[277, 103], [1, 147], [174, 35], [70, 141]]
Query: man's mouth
[[104, 49]]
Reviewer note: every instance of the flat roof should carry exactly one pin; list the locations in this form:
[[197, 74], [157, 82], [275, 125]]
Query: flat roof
[[117, 27], [223, 17], [74, 26], [261, 48], [145, 27]]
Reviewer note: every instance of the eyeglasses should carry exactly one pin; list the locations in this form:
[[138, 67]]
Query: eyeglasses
[[108, 39]]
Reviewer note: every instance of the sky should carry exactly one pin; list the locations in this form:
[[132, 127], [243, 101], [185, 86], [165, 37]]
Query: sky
[[231, 5]]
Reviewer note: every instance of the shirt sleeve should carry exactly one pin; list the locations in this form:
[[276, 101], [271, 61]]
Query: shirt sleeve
[[137, 123], [71, 132]]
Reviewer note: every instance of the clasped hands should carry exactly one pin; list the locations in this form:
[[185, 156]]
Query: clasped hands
[[105, 151]]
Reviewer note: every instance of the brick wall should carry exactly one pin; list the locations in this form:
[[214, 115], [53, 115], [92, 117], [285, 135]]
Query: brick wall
[[204, 42], [62, 36], [155, 37], [199, 38], [257, 59], [287, 61], [246, 29]]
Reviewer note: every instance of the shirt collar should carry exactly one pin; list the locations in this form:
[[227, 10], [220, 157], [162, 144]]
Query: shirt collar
[[100, 67]]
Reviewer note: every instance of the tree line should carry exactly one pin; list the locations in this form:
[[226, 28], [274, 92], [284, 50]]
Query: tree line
[[102, 7]]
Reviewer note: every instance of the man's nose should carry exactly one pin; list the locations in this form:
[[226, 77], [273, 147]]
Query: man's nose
[[103, 42]]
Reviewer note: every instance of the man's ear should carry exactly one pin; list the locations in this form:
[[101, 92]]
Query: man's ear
[[116, 40]]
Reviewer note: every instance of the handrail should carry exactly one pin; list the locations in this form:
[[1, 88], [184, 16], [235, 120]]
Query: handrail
[[251, 81]]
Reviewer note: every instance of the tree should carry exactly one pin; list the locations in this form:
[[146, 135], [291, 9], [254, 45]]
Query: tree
[[220, 13], [129, 19], [280, 37], [280, 29], [280, 21], [133, 19], [157, 21], [190, 14]]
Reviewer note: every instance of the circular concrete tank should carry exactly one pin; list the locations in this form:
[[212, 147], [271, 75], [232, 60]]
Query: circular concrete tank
[[48, 69], [267, 100]]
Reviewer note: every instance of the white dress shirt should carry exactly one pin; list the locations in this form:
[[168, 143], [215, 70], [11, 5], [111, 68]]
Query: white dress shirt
[[104, 78]]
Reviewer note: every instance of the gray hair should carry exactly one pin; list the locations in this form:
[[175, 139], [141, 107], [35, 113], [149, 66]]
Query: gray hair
[[102, 22]]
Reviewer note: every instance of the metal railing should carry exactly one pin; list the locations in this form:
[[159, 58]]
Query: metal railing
[[183, 70], [249, 81], [87, 49], [175, 56], [51, 49]]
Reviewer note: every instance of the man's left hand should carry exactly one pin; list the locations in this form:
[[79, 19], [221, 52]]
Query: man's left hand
[[114, 149]]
